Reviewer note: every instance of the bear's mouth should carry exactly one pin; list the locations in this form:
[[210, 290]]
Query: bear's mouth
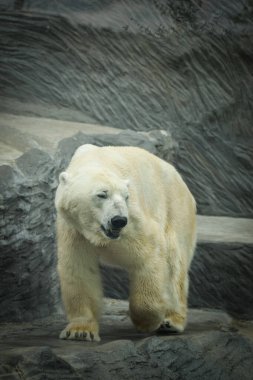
[[111, 233]]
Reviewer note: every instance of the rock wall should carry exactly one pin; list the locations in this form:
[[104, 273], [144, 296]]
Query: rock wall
[[27, 265], [182, 66]]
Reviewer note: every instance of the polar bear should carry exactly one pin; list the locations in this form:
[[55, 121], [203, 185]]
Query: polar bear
[[126, 207]]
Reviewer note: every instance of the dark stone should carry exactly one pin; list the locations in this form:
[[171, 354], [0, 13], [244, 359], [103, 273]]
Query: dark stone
[[29, 286], [36, 164], [208, 349], [221, 277], [115, 283]]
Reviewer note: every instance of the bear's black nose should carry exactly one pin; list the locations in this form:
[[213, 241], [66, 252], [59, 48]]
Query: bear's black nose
[[118, 221]]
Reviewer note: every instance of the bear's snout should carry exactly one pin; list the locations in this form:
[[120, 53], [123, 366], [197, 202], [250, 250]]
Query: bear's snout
[[118, 222], [114, 226]]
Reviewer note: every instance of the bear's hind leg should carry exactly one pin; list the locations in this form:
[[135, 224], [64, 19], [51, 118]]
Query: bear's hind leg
[[178, 257], [147, 302], [176, 313]]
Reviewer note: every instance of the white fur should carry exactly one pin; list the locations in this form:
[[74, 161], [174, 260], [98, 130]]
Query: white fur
[[156, 246]]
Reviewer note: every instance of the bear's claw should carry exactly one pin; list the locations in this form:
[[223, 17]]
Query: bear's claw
[[73, 334], [166, 327]]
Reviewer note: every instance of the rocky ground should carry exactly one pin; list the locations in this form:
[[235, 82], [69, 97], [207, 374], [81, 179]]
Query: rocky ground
[[214, 346]]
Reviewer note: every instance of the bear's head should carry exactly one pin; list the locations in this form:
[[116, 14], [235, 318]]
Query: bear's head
[[94, 203]]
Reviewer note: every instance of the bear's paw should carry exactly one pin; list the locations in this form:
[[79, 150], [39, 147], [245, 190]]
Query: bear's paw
[[80, 331], [174, 323]]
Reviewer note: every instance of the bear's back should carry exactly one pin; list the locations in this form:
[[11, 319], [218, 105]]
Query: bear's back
[[133, 163]]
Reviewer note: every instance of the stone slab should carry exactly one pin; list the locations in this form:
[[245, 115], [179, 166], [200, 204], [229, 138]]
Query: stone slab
[[224, 229], [43, 133]]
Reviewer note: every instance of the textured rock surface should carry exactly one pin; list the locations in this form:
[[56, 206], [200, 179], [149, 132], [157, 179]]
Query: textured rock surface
[[221, 277], [212, 347], [27, 262], [183, 66]]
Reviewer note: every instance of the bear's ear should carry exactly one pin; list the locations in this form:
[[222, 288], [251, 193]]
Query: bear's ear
[[64, 177]]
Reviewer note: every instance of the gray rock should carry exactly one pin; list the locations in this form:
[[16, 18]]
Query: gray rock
[[29, 286], [221, 277], [212, 347]]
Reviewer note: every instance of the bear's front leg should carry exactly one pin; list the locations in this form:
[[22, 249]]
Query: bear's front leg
[[81, 287], [146, 303]]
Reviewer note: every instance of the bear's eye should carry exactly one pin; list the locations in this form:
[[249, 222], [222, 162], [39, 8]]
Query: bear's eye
[[103, 195]]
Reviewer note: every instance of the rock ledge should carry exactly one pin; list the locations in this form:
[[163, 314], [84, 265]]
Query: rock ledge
[[213, 346]]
